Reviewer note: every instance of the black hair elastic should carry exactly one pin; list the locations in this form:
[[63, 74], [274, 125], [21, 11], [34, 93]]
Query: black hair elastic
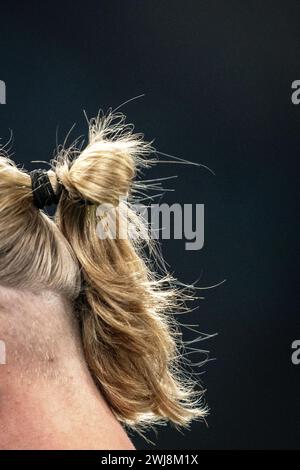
[[42, 190]]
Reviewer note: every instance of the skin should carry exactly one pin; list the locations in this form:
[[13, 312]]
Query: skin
[[48, 399]]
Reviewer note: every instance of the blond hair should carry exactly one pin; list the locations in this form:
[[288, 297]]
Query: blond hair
[[130, 338]]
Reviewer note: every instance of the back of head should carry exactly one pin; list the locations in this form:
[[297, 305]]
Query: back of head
[[123, 309]]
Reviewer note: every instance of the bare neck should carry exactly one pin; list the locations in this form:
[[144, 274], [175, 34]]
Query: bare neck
[[58, 413], [48, 399]]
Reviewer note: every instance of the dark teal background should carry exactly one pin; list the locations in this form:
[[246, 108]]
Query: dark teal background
[[217, 80]]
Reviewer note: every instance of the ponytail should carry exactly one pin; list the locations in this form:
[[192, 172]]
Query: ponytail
[[129, 335]]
